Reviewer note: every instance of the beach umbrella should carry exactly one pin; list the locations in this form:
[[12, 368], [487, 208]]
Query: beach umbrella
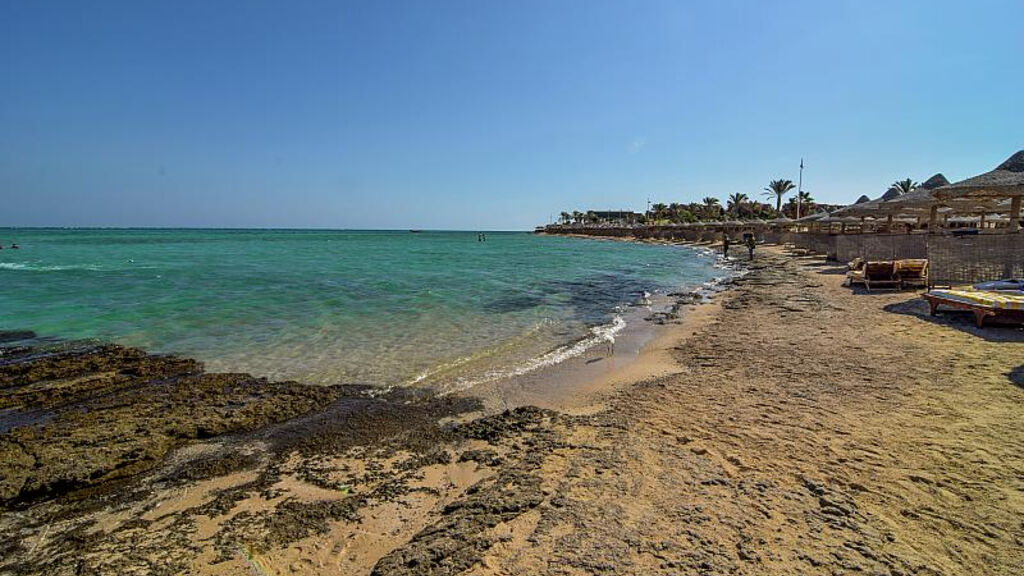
[[863, 198], [812, 218], [839, 219], [934, 182], [1006, 181]]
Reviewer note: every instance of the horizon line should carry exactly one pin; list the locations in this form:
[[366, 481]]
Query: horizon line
[[240, 228]]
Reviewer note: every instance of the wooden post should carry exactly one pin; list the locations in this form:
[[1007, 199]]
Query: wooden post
[[1015, 214], [888, 224], [933, 219]]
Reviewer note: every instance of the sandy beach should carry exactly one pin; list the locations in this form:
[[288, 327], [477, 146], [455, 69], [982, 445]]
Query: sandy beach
[[790, 427]]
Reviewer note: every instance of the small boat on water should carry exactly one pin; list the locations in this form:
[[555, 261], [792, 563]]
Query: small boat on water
[[415, 231]]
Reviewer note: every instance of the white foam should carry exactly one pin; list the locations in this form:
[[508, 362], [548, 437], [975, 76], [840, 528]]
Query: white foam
[[598, 335], [40, 268]]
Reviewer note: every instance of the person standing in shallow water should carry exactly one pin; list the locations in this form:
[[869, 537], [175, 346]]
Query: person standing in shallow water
[[750, 246], [725, 245]]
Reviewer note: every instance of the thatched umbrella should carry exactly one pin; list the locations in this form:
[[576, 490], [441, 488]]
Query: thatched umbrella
[[863, 198], [934, 182], [810, 219], [838, 219], [1006, 181]]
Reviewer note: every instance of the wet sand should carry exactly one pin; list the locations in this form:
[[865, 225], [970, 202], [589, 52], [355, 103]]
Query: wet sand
[[796, 427]]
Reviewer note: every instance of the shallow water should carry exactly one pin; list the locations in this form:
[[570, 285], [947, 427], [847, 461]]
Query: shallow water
[[380, 308]]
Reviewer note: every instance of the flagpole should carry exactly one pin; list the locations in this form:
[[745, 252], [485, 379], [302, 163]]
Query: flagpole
[[800, 189]]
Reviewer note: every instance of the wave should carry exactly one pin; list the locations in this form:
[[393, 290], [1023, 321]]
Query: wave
[[42, 268], [603, 334]]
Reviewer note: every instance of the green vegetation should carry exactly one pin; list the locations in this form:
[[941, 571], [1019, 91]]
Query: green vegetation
[[778, 189]]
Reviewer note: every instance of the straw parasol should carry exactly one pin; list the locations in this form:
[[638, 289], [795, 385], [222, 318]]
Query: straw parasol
[[1006, 181], [813, 217], [839, 219], [934, 182]]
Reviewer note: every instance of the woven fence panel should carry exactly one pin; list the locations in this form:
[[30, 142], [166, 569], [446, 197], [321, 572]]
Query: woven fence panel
[[969, 259], [880, 246], [848, 246], [802, 241], [893, 246]]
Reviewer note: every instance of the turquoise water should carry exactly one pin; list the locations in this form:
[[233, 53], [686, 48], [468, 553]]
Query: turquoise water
[[381, 308]]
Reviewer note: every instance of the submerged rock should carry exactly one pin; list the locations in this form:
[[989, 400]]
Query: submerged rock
[[112, 412]]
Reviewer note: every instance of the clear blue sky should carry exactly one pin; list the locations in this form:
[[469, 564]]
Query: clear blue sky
[[484, 114]]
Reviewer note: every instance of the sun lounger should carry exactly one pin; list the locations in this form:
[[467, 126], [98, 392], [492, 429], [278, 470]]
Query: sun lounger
[[855, 272], [879, 274], [912, 272], [984, 303]]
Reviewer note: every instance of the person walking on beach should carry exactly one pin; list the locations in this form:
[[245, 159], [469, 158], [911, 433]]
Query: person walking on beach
[[725, 245], [750, 246]]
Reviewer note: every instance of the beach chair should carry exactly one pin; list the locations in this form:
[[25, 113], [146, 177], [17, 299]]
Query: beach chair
[[912, 272], [983, 303], [855, 272], [880, 274]]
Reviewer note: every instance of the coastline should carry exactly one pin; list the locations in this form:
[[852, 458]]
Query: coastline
[[642, 351], [792, 426]]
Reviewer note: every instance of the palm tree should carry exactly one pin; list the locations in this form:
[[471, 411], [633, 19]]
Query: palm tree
[[712, 208], [564, 217], [902, 187], [659, 210], [737, 202], [577, 217], [674, 212], [778, 188], [806, 203]]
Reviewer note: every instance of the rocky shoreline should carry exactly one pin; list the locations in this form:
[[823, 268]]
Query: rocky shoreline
[[124, 429], [804, 429]]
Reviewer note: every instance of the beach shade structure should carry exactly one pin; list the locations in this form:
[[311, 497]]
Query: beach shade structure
[[891, 194], [893, 199], [839, 219], [936, 181], [863, 198], [812, 218], [1006, 181]]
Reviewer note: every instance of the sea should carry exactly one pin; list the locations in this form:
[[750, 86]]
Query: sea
[[386, 308]]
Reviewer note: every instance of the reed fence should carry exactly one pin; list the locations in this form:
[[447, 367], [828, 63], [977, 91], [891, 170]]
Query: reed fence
[[954, 260]]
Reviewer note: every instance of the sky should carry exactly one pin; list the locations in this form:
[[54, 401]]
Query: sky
[[480, 114]]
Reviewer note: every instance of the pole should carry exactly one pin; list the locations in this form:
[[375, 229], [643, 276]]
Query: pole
[[800, 189], [1015, 214]]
